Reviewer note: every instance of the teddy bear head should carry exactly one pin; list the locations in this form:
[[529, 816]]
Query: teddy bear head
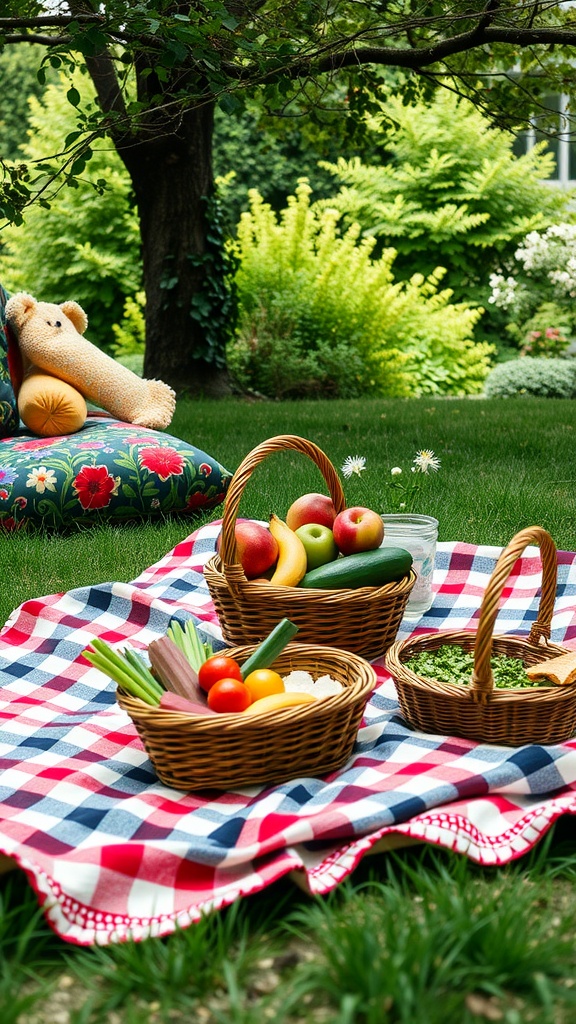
[[36, 323]]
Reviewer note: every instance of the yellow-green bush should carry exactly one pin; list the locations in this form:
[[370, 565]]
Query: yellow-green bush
[[319, 315]]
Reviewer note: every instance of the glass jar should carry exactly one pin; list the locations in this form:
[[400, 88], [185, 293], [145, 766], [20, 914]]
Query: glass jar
[[418, 534]]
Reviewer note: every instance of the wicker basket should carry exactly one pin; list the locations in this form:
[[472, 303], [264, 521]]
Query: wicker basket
[[363, 620], [226, 751], [479, 711]]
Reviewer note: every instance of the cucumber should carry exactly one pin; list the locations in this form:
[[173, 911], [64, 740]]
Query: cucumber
[[364, 569], [271, 647]]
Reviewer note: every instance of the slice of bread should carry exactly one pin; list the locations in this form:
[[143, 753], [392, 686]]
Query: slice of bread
[[561, 670]]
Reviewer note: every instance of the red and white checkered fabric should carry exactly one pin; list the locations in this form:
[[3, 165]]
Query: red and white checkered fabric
[[114, 854]]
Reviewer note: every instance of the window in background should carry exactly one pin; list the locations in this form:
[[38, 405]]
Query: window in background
[[563, 147]]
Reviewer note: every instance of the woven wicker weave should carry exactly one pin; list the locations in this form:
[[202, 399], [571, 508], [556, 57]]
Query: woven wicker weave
[[479, 711], [364, 620], [225, 751]]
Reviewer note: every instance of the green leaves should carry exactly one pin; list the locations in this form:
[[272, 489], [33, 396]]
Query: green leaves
[[73, 96], [450, 194], [320, 311], [452, 664], [15, 191]]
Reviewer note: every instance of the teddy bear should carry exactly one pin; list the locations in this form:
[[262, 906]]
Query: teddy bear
[[55, 370]]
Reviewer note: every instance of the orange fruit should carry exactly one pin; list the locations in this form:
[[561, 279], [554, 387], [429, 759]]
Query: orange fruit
[[262, 682]]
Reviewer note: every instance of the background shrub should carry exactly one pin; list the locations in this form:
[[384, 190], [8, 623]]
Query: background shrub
[[448, 191], [87, 245], [538, 294], [18, 74], [538, 377], [318, 315], [269, 147], [253, 150], [547, 333]]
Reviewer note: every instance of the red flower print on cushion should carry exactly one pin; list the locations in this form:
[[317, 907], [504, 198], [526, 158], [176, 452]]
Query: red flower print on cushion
[[197, 500], [205, 469], [137, 439], [38, 442], [164, 462], [95, 486], [10, 525]]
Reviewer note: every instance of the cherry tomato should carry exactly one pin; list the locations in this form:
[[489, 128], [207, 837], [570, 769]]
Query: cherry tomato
[[219, 666], [229, 695], [264, 681]]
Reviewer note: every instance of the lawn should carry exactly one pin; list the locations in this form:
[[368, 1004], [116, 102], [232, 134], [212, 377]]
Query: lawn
[[504, 465], [414, 937]]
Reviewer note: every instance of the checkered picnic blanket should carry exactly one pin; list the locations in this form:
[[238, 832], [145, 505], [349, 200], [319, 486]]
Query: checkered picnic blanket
[[112, 853]]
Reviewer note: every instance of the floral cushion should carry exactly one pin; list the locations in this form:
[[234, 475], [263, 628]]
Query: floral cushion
[[108, 470], [8, 410]]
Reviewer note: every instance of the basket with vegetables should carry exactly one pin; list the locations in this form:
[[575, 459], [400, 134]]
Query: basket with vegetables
[[263, 713], [354, 602], [504, 689]]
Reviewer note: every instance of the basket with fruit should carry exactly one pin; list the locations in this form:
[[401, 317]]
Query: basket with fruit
[[521, 689], [264, 713], [326, 570]]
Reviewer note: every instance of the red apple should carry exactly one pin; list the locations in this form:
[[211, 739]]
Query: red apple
[[257, 548], [358, 529], [311, 508]]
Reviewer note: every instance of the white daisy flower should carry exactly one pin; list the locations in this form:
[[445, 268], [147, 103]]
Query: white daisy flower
[[353, 464], [42, 479], [426, 460], [395, 471]]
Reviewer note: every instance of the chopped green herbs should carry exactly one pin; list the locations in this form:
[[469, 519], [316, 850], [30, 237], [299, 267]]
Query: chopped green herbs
[[452, 664]]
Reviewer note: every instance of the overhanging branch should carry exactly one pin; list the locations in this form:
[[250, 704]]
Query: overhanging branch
[[414, 57]]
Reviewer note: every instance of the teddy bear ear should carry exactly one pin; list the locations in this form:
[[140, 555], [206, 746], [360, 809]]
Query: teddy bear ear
[[76, 314], [19, 309]]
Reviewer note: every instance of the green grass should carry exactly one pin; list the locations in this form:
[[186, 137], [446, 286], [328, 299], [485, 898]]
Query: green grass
[[416, 937], [505, 465]]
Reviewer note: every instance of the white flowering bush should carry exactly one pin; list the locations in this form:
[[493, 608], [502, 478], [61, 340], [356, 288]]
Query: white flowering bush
[[540, 297], [503, 290], [552, 254]]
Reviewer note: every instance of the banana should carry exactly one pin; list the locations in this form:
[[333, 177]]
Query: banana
[[276, 701], [292, 563]]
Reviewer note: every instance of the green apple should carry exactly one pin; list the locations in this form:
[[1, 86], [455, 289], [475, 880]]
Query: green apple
[[319, 544]]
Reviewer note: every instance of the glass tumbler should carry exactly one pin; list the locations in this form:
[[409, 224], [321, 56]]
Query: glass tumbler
[[418, 534]]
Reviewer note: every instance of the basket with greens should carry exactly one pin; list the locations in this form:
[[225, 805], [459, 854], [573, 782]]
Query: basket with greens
[[493, 689]]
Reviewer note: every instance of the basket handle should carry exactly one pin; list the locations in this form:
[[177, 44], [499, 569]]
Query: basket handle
[[283, 442], [482, 678]]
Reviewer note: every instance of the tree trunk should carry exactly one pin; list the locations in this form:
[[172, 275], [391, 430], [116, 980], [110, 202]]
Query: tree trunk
[[171, 173]]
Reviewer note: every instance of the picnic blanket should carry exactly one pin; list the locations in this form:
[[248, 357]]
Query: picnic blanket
[[113, 854]]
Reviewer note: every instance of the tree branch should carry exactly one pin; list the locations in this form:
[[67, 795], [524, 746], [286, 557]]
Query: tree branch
[[433, 54], [330, 56], [29, 37]]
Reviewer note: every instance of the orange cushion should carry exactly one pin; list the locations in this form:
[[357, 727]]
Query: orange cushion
[[50, 407]]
